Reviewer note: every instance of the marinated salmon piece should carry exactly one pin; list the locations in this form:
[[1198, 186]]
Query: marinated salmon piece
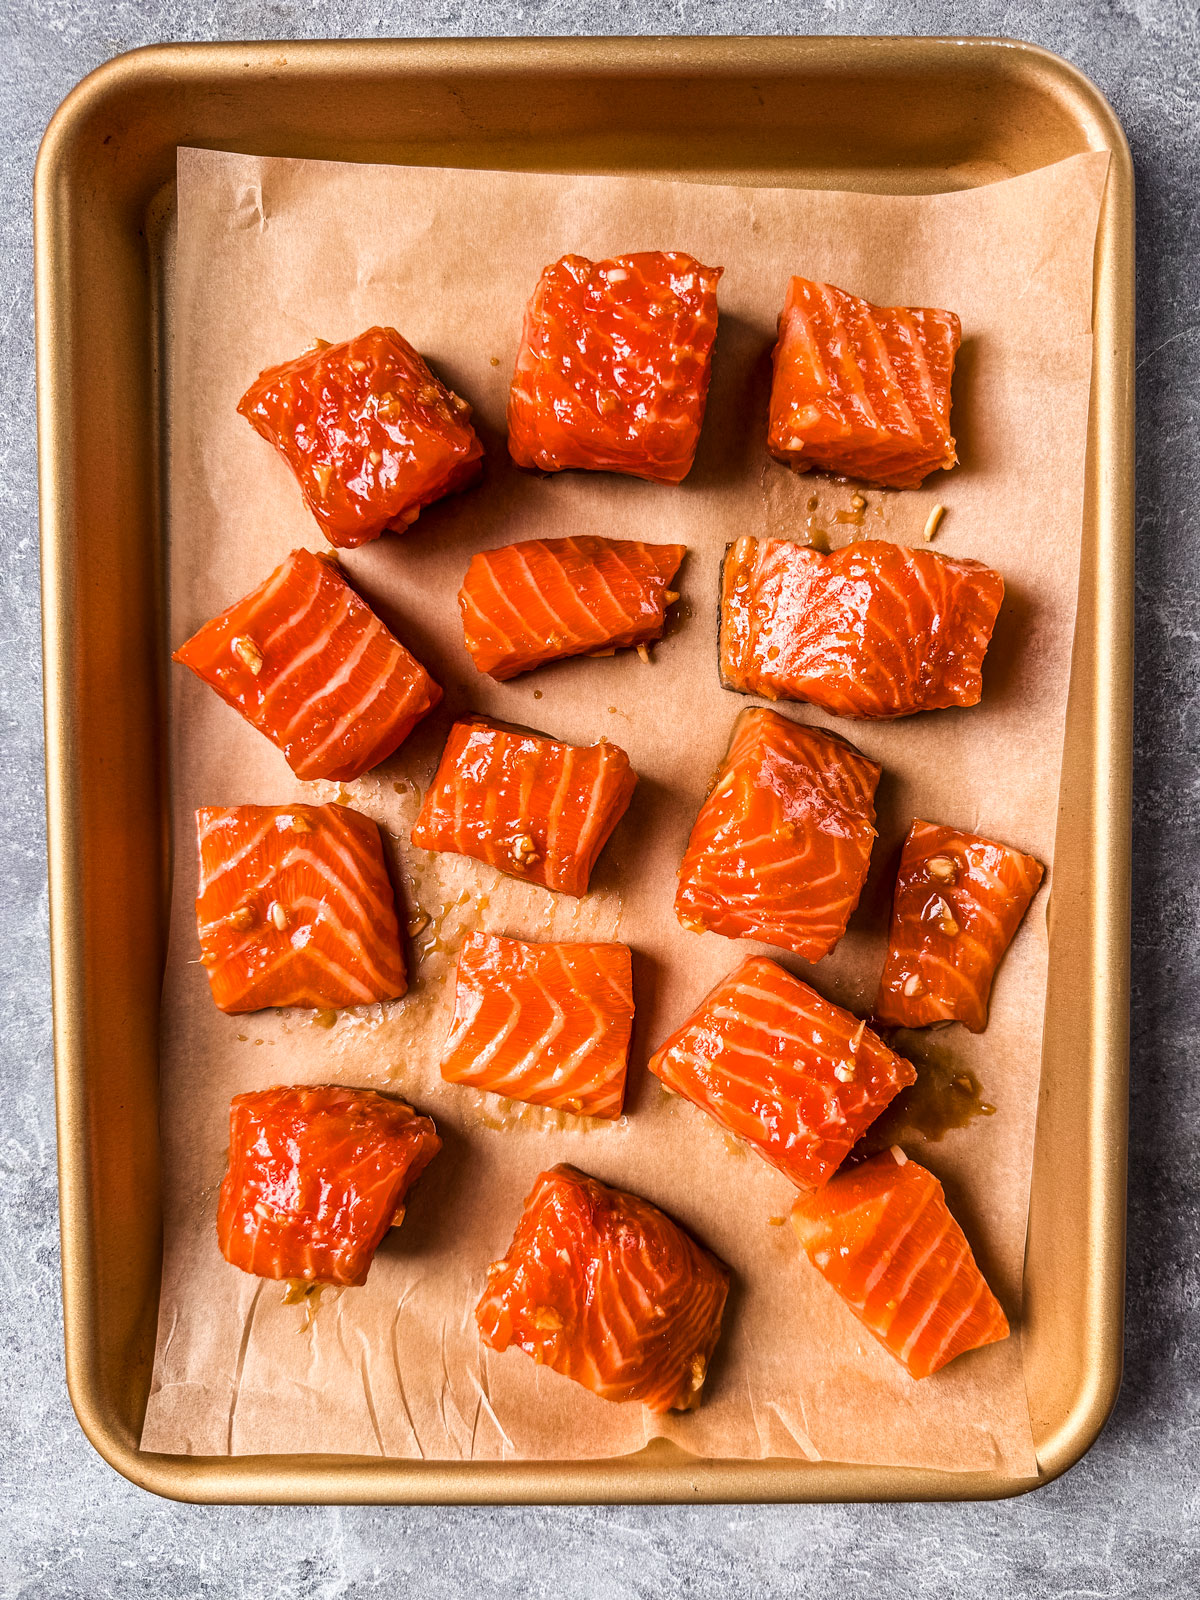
[[958, 903], [295, 908], [526, 804], [371, 435], [543, 599], [548, 1024], [781, 846], [604, 1288], [862, 390], [882, 1235], [613, 369], [310, 665], [871, 630], [798, 1078], [316, 1177]]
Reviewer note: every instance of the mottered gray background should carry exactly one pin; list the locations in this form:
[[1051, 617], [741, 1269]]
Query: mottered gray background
[[1126, 1521]]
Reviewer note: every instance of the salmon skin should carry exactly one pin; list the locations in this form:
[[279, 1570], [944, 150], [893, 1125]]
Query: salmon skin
[[882, 1235], [798, 1078], [316, 1177], [602, 1287], [371, 435], [295, 908], [613, 369], [526, 804], [538, 601], [781, 847], [862, 390], [548, 1024], [310, 665], [872, 630], [959, 901]]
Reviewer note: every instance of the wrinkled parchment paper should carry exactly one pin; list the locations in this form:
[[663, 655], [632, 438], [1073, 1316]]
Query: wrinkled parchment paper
[[272, 253]]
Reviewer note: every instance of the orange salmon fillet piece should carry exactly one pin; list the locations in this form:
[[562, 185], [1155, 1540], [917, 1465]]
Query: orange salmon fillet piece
[[602, 1287], [958, 902], [795, 1076], [548, 1024], [882, 1235]]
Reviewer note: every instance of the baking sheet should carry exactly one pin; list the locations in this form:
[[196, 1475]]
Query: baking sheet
[[273, 253]]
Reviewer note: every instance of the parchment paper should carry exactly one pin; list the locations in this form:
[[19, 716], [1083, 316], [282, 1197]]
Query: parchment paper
[[272, 253]]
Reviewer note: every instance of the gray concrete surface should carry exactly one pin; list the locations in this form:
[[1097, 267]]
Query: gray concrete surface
[[1126, 1522]]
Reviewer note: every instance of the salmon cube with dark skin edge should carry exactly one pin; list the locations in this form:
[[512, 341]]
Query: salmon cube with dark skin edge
[[526, 604], [612, 374], [602, 1287], [781, 846], [295, 908], [531, 806], [958, 902], [796, 1077], [316, 1177], [873, 630], [547, 1024], [309, 664], [882, 1235], [862, 391], [371, 434]]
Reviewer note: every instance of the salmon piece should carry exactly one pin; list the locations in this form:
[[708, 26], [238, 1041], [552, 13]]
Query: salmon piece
[[548, 1024], [543, 599], [781, 846], [871, 630], [526, 804], [604, 1288], [310, 665], [371, 434], [959, 901], [798, 1078], [882, 1235], [295, 908], [316, 1177], [613, 369], [862, 390]]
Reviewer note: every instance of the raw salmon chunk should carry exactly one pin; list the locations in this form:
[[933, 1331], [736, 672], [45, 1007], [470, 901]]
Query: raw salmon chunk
[[604, 1288], [871, 630], [316, 1177], [883, 1236], [537, 601], [959, 900], [862, 390], [614, 363], [798, 1078], [308, 663], [545, 1023], [370, 433], [525, 803], [295, 908], [781, 846]]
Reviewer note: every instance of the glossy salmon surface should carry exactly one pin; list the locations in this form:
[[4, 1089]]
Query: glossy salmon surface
[[295, 908], [613, 369], [526, 804], [798, 1078], [958, 902], [780, 848], [871, 630], [602, 1287], [316, 1177], [538, 601], [861, 390], [309, 664], [548, 1024], [371, 435], [882, 1235]]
